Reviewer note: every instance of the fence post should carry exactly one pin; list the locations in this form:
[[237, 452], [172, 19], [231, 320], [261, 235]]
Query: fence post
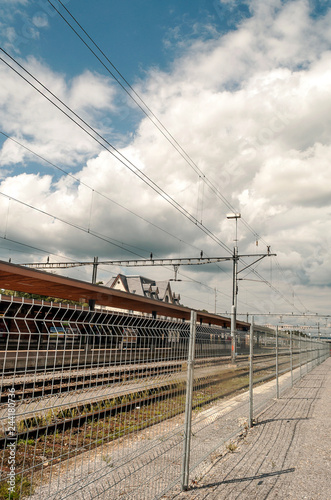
[[300, 354], [188, 404], [233, 334], [277, 381], [291, 357], [251, 354]]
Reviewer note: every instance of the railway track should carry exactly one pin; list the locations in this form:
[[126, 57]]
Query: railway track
[[111, 402], [46, 383], [97, 420], [80, 380], [42, 385]]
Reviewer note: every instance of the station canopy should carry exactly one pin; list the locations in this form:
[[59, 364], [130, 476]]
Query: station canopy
[[24, 279]]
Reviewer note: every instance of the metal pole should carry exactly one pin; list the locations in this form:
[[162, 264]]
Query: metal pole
[[300, 354], [234, 304], [95, 270], [251, 354], [233, 334], [277, 381], [188, 404], [91, 302], [291, 357]]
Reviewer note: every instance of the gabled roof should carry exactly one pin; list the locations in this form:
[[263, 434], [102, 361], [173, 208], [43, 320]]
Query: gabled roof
[[119, 277], [163, 287], [159, 290], [135, 285]]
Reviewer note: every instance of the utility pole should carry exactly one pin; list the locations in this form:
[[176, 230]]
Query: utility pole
[[234, 290], [235, 258], [91, 302], [95, 270]]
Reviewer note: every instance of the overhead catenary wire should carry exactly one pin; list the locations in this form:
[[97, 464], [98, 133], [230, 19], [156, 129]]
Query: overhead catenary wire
[[89, 232], [99, 193], [111, 149], [103, 238], [121, 246], [107, 198], [282, 272], [289, 314], [139, 101], [33, 247], [142, 176], [148, 111], [117, 244], [113, 201], [119, 156], [111, 241], [273, 288], [187, 215], [48, 252]]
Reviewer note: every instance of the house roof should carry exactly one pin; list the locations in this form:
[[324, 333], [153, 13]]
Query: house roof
[[145, 287], [163, 286]]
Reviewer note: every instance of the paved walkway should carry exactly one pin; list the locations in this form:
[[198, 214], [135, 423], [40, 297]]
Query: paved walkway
[[286, 455]]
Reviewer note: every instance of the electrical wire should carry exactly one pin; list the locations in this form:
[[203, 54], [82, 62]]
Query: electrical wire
[[47, 252], [113, 151], [150, 115], [89, 232], [148, 112], [106, 197], [122, 158], [111, 200], [209, 233], [111, 241]]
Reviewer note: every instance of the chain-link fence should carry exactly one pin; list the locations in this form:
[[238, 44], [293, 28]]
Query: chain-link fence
[[97, 403]]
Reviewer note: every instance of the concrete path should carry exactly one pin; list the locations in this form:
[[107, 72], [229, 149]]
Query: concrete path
[[286, 455]]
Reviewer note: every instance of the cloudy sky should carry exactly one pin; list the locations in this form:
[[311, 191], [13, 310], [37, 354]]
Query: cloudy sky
[[140, 130]]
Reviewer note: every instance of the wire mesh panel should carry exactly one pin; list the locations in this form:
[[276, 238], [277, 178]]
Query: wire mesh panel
[[97, 396], [214, 379], [94, 403], [218, 419]]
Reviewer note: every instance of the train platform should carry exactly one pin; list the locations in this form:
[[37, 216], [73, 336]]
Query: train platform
[[286, 455]]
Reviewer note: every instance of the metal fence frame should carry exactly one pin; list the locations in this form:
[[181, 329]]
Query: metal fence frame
[[78, 382]]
